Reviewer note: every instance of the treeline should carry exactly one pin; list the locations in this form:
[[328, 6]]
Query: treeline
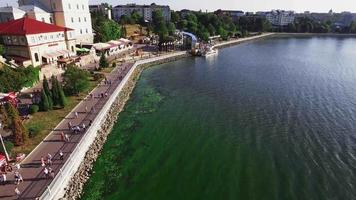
[[14, 79], [309, 25], [205, 25]]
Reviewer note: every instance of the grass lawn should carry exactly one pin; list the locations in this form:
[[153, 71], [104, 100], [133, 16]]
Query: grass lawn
[[45, 122]]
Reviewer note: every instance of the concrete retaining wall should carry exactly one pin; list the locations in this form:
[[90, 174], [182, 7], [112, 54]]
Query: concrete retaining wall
[[69, 182]]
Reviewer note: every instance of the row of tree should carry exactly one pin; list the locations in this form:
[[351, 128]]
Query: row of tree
[[52, 97]]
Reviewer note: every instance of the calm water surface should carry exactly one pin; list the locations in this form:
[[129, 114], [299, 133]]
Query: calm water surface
[[271, 119]]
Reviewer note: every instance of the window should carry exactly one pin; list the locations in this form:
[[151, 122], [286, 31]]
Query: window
[[52, 37], [45, 37], [87, 30], [36, 57], [33, 39], [85, 19], [79, 19], [78, 6], [81, 32], [43, 19], [83, 7], [72, 19], [54, 5], [69, 6], [51, 20], [72, 49]]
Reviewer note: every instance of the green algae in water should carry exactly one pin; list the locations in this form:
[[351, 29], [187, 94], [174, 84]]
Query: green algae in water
[[145, 100]]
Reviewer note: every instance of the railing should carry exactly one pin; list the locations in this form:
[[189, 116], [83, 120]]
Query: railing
[[55, 189]]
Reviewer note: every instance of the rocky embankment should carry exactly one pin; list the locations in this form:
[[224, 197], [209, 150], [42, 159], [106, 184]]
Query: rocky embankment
[[77, 182]]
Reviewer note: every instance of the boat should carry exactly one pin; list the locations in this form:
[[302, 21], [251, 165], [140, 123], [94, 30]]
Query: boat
[[209, 51]]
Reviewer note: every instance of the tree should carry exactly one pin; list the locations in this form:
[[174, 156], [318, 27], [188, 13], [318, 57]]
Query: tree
[[48, 92], [75, 80], [55, 93], [171, 28], [62, 96], [175, 17], [19, 131], [44, 104], [103, 62]]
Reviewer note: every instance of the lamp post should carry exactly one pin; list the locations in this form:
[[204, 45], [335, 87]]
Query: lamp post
[[3, 145]]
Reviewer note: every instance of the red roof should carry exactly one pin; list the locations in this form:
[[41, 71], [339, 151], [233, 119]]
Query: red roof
[[28, 26]]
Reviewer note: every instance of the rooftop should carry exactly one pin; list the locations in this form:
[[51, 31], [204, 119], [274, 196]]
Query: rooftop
[[28, 26]]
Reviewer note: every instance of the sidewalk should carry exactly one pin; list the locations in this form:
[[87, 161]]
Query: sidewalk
[[32, 172]]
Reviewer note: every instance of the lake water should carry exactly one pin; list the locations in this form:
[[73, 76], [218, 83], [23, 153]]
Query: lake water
[[270, 119]]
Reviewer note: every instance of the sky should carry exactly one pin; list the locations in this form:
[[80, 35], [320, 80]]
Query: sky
[[245, 5]]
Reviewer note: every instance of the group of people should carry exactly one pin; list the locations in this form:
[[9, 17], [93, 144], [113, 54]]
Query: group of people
[[17, 179], [47, 164]]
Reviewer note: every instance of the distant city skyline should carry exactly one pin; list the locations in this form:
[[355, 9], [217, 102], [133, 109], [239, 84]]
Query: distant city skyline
[[245, 5]]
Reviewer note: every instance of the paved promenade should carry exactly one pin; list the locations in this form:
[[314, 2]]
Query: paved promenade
[[31, 170]]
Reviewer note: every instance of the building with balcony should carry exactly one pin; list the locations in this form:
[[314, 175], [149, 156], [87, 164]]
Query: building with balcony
[[144, 10], [31, 42], [65, 13], [280, 17]]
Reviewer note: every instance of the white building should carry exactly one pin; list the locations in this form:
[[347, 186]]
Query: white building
[[32, 42], [280, 17], [66, 13], [10, 13], [143, 10], [102, 9]]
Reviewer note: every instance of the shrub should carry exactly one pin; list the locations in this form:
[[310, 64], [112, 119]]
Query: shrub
[[8, 145], [34, 109], [34, 129]]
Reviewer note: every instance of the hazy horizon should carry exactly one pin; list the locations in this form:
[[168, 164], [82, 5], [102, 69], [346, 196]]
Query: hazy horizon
[[244, 5]]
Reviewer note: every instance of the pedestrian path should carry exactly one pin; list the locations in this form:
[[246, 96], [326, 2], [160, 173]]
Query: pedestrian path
[[34, 179]]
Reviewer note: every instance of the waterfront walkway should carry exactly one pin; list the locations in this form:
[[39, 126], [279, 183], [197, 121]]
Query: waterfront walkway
[[35, 183], [31, 170], [236, 41]]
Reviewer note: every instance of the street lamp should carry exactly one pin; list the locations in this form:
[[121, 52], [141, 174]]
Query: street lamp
[[3, 145]]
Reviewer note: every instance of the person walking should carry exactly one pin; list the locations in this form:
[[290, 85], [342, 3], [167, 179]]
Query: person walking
[[17, 192], [86, 109], [69, 125], [45, 172], [83, 126], [51, 173], [76, 114], [67, 137], [61, 155], [43, 162], [3, 178], [17, 178], [63, 136]]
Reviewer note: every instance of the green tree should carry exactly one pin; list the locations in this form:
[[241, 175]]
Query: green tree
[[175, 17], [62, 97], [44, 104], [75, 80], [48, 92], [55, 93], [103, 62], [171, 28]]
